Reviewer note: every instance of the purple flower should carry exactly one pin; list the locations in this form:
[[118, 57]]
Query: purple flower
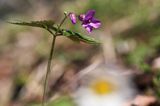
[[88, 21], [72, 17]]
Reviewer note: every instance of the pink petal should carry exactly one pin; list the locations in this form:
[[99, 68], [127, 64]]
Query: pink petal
[[90, 14], [95, 25], [72, 18], [88, 27], [81, 17]]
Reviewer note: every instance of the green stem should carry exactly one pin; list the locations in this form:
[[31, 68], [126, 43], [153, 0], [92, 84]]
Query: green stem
[[50, 60], [62, 21], [48, 70]]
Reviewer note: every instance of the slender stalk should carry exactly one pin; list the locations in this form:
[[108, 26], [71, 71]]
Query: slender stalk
[[65, 17], [48, 71], [50, 60]]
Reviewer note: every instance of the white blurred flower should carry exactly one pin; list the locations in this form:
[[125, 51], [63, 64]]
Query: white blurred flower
[[104, 86]]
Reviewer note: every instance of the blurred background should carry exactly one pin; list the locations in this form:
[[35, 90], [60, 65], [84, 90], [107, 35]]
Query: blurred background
[[130, 33]]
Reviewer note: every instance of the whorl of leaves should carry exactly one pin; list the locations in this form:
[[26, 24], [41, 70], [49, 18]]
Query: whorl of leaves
[[50, 25]]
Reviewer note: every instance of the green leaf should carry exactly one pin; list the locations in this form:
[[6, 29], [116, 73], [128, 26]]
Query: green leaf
[[79, 37], [61, 101], [46, 24]]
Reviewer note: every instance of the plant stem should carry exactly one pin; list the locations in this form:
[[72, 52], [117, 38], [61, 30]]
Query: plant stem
[[50, 60], [48, 71]]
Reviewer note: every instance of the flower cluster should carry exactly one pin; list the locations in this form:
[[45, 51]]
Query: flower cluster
[[88, 20]]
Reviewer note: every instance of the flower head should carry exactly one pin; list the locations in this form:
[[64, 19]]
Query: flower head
[[88, 21]]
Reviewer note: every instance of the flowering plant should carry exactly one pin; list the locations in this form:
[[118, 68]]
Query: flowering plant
[[88, 22]]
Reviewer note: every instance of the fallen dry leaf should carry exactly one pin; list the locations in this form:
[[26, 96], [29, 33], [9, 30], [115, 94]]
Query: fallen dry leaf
[[141, 100]]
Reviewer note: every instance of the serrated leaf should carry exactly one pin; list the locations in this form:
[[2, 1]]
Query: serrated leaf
[[79, 37], [46, 24]]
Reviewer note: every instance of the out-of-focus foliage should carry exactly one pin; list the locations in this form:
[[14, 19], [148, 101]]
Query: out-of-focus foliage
[[156, 81], [62, 101]]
